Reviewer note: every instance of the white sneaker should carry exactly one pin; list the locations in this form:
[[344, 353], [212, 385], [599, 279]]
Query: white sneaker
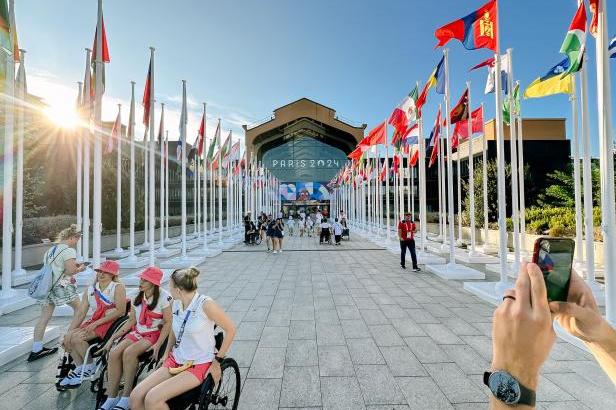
[[275, 252], [280, 251]]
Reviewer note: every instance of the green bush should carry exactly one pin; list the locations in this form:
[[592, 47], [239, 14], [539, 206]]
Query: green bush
[[45, 227]]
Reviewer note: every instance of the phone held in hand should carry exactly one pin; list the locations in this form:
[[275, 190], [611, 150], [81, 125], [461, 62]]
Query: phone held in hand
[[86, 263], [554, 256]]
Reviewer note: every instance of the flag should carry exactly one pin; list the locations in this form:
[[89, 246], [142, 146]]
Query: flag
[[161, 126], [491, 80], [436, 78], [404, 112], [105, 54], [183, 121], [231, 155], [594, 22], [226, 147], [434, 138], [460, 131], [414, 155], [395, 163], [477, 30], [22, 83], [612, 48], [214, 143], [551, 83], [460, 111], [383, 174], [147, 97], [378, 135], [104, 57], [487, 63], [201, 136], [356, 154], [516, 105], [575, 41], [412, 135], [116, 134]]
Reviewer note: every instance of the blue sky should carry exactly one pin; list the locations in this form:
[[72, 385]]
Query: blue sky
[[247, 57]]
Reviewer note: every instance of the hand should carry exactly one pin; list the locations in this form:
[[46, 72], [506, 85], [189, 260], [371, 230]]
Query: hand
[[154, 349], [580, 315], [90, 328], [162, 360], [522, 333], [215, 371]]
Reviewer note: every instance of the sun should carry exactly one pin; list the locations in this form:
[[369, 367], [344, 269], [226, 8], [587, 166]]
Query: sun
[[62, 114]]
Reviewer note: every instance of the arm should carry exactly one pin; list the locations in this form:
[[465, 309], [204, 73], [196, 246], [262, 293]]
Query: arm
[[122, 330], [81, 313], [218, 316], [164, 332], [71, 267], [120, 309]]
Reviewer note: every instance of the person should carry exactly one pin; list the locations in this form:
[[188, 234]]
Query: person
[[62, 259], [337, 227], [107, 297], [525, 310], [146, 330], [252, 233], [191, 350], [324, 235], [309, 225], [291, 225], [247, 221], [302, 226], [278, 231], [406, 235], [318, 220], [263, 229], [270, 233], [342, 219]]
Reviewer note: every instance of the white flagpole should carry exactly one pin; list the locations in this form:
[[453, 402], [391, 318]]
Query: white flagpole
[[205, 214], [183, 165], [212, 198], [387, 185], [522, 215], [79, 181], [485, 188], [578, 259], [152, 178], [198, 192], [162, 179], [131, 136], [98, 153], [85, 230], [452, 260], [459, 193], [471, 172], [21, 94], [219, 188], [409, 183], [166, 185], [421, 163], [513, 161], [441, 196], [606, 149], [195, 176], [119, 249], [146, 178]]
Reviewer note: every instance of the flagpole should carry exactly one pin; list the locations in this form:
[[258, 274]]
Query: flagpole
[[183, 165], [79, 181], [441, 193], [166, 185], [484, 164], [513, 161], [146, 178], [606, 147], [119, 249], [205, 214], [452, 260], [522, 215], [162, 179], [195, 176], [471, 172], [459, 181], [578, 259], [152, 178], [219, 189], [98, 96], [21, 94], [131, 136], [421, 164], [85, 231]]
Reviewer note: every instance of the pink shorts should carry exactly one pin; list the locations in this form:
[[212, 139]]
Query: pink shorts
[[150, 337], [198, 370], [100, 331]]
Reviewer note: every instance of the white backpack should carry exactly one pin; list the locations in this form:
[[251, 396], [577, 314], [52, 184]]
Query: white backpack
[[43, 283]]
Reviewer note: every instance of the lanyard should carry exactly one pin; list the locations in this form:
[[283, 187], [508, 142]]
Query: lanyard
[[182, 328]]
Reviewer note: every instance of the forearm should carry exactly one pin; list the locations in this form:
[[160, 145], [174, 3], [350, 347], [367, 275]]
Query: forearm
[[164, 332], [605, 351], [229, 336], [496, 404]]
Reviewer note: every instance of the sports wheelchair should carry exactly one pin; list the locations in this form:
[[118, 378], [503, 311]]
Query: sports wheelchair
[[66, 364], [208, 396]]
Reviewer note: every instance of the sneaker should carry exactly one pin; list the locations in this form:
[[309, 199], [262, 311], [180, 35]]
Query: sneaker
[[74, 379], [403, 267], [42, 353], [275, 252], [280, 251], [416, 270]]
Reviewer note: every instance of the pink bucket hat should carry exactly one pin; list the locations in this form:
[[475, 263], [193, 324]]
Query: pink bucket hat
[[110, 267], [153, 275]]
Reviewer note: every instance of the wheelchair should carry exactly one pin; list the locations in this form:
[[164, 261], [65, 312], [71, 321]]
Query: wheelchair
[[254, 238], [208, 396], [147, 362], [67, 364]]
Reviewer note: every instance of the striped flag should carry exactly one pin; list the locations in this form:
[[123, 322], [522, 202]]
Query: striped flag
[[147, 97], [612, 47]]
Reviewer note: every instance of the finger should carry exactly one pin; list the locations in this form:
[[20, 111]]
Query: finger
[[539, 295], [522, 287], [509, 296]]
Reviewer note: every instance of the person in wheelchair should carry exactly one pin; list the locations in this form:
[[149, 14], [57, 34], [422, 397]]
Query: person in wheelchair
[[191, 350], [146, 330], [101, 297], [325, 235], [251, 233]]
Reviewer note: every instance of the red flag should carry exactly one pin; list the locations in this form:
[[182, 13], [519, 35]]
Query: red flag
[[356, 154], [106, 58], [460, 111], [147, 97], [201, 137], [477, 30], [383, 174], [594, 7], [379, 134], [414, 156], [477, 118], [489, 62], [434, 153], [115, 135], [395, 164], [460, 131]]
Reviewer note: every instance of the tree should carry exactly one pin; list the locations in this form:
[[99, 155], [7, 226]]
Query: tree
[[561, 192]]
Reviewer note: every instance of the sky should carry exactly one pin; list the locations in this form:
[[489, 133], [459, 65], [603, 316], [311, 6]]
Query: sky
[[247, 57]]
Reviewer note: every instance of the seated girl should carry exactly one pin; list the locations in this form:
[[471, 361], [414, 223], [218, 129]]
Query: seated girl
[[149, 324], [191, 351], [101, 297]]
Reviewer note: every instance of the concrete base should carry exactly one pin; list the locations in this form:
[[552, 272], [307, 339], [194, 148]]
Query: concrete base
[[162, 253], [467, 256], [173, 240], [491, 292], [189, 245], [488, 249], [180, 262], [426, 258], [17, 341], [454, 271], [208, 253], [437, 248], [496, 268], [116, 254], [133, 262], [14, 299], [144, 246], [22, 277]]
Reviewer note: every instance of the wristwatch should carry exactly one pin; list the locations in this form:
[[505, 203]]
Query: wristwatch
[[507, 389], [219, 359]]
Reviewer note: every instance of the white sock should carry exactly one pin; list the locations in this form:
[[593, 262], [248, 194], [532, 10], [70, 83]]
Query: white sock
[[37, 346], [123, 402], [109, 403]]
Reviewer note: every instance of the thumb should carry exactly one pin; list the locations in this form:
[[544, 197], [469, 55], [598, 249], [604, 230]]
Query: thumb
[[566, 308]]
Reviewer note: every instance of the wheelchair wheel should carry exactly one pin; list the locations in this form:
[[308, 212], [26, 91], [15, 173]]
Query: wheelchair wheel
[[258, 240], [227, 394]]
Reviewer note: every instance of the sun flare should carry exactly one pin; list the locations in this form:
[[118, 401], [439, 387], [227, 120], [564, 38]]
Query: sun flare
[[62, 114]]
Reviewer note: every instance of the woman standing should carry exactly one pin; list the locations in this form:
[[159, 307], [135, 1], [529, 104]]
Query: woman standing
[[278, 234], [191, 351], [149, 325], [63, 261]]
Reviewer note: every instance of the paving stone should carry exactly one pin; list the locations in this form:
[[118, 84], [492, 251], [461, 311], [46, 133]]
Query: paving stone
[[303, 313], [302, 329], [426, 350], [378, 386], [335, 361], [386, 335], [466, 358], [278, 318], [373, 317], [393, 312], [302, 353], [364, 351], [249, 331], [423, 393], [407, 327], [440, 334], [402, 362], [300, 387], [260, 394], [256, 314], [589, 393], [341, 393], [354, 329], [421, 316], [348, 312], [327, 316], [328, 334], [274, 337], [455, 384], [267, 363]]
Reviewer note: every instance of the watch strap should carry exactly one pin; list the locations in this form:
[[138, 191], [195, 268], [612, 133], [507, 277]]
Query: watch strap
[[219, 359], [527, 396]]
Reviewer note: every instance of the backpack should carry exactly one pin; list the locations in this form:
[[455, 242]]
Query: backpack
[[41, 285]]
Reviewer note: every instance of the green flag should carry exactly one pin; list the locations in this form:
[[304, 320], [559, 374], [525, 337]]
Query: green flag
[[575, 41], [516, 105], [213, 144]]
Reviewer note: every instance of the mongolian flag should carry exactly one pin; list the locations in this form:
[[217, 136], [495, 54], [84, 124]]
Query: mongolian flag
[[460, 111], [378, 135], [437, 78], [477, 30], [147, 97]]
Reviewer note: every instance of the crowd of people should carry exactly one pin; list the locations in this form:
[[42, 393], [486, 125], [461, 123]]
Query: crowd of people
[[272, 230]]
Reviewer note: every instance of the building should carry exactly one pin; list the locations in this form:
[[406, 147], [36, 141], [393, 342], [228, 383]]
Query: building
[[304, 144]]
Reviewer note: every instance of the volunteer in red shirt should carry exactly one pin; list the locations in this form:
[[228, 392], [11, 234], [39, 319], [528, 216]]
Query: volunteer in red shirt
[[406, 235]]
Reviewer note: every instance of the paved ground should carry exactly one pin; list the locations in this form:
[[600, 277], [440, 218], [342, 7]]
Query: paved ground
[[325, 327]]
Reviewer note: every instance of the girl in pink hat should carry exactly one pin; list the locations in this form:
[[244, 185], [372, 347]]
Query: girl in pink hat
[[146, 330], [100, 297]]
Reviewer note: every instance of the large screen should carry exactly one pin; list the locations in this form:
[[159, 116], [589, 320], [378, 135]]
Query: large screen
[[304, 191]]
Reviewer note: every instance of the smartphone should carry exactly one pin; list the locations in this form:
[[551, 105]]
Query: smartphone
[[554, 256], [86, 263]]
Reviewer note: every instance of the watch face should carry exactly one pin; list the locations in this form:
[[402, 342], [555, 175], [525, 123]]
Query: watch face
[[504, 387]]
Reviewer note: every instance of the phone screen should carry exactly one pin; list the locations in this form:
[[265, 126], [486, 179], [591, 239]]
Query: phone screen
[[555, 257]]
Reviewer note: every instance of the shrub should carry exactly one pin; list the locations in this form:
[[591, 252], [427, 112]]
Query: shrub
[[45, 227]]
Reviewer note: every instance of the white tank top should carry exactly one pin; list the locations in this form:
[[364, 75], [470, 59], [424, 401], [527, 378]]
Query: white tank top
[[197, 341], [108, 293]]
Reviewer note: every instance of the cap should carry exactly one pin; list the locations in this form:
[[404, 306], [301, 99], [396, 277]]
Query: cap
[[152, 274], [110, 267]]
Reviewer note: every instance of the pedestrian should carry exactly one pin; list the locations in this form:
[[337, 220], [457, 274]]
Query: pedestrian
[[309, 225], [406, 235], [325, 231], [62, 258], [247, 222], [278, 231], [270, 233], [291, 225], [302, 227], [337, 231]]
